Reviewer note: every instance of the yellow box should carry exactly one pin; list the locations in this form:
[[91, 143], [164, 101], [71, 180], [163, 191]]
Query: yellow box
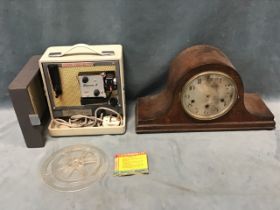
[[131, 163]]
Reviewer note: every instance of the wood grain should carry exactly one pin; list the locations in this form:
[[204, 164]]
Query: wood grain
[[164, 113]]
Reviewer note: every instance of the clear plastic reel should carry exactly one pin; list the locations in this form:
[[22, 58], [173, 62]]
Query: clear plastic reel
[[74, 168]]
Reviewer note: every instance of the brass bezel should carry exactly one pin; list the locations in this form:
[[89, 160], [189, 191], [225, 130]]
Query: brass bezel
[[213, 116]]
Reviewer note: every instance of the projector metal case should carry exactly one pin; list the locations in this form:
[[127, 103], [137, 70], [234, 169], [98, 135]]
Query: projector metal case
[[81, 55]]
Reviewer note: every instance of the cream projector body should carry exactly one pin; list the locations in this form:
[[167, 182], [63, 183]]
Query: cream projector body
[[84, 85]]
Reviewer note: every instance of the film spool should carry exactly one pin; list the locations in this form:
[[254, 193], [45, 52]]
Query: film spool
[[74, 168]]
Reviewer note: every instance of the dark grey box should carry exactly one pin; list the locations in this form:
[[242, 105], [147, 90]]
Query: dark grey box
[[30, 104]]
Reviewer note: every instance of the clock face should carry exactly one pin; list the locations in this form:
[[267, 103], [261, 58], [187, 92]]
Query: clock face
[[209, 95]]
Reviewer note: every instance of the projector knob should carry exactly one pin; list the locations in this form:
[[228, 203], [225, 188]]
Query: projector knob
[[85, 79], [114, 101], [96, 92]]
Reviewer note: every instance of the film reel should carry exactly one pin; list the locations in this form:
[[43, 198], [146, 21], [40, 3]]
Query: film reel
[[74, 168]]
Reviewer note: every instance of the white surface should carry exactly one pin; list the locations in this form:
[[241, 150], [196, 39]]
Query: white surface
[[79, 48], [207, 170]]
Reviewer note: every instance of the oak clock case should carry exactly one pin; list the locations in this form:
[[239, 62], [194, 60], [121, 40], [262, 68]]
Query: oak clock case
[[204, 92]]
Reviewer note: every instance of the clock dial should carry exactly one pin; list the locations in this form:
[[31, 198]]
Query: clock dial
[[209, 95]]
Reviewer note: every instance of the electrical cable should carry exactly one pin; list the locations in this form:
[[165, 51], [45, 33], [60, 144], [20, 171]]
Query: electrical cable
[[78, 121]]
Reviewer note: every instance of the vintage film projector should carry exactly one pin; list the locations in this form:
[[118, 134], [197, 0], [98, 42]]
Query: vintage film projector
[[84, 86]]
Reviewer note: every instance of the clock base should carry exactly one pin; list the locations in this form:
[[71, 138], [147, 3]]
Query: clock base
[[254, 116]]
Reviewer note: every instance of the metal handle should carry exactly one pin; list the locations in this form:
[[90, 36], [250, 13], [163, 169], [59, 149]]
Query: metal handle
[[89, 49]]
